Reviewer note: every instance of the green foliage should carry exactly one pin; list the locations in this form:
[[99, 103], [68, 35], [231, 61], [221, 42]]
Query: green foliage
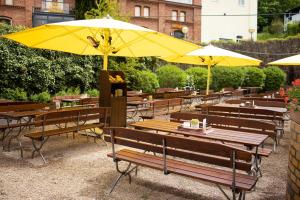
[[226, 77], [198, 77], [147, 81], [275, 78], [17, 94], [81, 6], [253, 77], [273, 7], [171, 76], [37, 70], [42, 97], [68, 91], [104, 8], [293, 28], [276, 26], [93, 93]]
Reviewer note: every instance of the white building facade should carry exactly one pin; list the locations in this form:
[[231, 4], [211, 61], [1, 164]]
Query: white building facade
[[228, 20], [292, 16]]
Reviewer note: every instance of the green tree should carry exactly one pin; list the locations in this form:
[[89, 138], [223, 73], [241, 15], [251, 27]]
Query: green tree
[[81, 6], [268, 10], [104, 8], [226, 77]]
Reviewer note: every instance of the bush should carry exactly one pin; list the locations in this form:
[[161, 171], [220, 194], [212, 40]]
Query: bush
[[226, 77], [293, 28], [68, 91], [276, 26], [171, 76], [93, 93], [253, 77], [275, 78], [147, 81], [17, 94], [42, 97], [198, 77]]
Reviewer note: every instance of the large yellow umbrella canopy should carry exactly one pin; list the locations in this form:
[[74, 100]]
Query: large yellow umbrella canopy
[[107, 37], [293, 60], [212, 56]]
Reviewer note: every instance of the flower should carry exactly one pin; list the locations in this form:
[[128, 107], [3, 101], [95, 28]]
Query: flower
[[294, 94]]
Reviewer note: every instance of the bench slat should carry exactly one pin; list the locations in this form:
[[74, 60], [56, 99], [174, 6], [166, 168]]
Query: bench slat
[[219, 176]]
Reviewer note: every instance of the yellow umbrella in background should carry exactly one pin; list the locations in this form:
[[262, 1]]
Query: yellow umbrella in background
[[107, 37], [212, 56], [292, 60]]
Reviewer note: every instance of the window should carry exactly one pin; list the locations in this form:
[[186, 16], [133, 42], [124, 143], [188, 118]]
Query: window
[[146, 11], [137, 11], [174, 15], [182, 17], [9, 2], [5, 20], [242, 2]]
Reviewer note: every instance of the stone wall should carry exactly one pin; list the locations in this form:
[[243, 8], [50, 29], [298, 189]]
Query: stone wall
[[293, 183]]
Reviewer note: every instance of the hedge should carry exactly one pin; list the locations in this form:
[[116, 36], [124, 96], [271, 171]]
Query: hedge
[[253, 77], [171, 76], [198, 77], [275, 78], [226, 77]]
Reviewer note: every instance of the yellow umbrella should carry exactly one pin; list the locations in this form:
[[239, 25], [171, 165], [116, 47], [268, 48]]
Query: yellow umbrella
[[107, 37], [292, 60], [212, 56]]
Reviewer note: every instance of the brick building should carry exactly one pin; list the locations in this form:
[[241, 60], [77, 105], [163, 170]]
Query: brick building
[[36, 12], [179, 18]]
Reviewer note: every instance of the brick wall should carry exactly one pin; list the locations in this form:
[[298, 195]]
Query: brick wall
[[21, 11], [293, 183], [160, 16]]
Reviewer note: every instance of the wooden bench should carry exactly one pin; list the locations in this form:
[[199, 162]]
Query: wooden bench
[[133, 111], [224, 160], [258, 103], [66, 121], [263, 99], [163, 107], [89, 102]]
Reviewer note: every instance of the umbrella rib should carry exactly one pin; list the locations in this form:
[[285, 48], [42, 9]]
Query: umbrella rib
[[119, 36], [160, 44], [56, 36], [130, 42]]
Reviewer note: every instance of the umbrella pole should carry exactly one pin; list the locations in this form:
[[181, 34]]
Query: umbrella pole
[[208, 77], [105, 61]]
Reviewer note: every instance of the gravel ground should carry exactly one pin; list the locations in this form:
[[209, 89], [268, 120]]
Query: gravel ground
[[80, 169]]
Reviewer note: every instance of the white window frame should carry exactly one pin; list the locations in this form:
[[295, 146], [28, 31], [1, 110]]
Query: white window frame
[[182, 16], [146, 11], [174, 15], [137, 13]]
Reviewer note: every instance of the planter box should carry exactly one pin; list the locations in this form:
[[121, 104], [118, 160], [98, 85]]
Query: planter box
[[295, 116]]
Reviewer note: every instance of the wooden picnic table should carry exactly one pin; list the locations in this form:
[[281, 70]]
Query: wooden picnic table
[[247, 139], [276, 109]]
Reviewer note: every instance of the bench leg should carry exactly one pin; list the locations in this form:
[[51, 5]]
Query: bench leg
[[123, 173], [223, 192], [38, 149]]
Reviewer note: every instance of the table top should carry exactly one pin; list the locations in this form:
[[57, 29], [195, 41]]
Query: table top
[[247, 139], [16, 115], [276, 109], [70, 100]]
